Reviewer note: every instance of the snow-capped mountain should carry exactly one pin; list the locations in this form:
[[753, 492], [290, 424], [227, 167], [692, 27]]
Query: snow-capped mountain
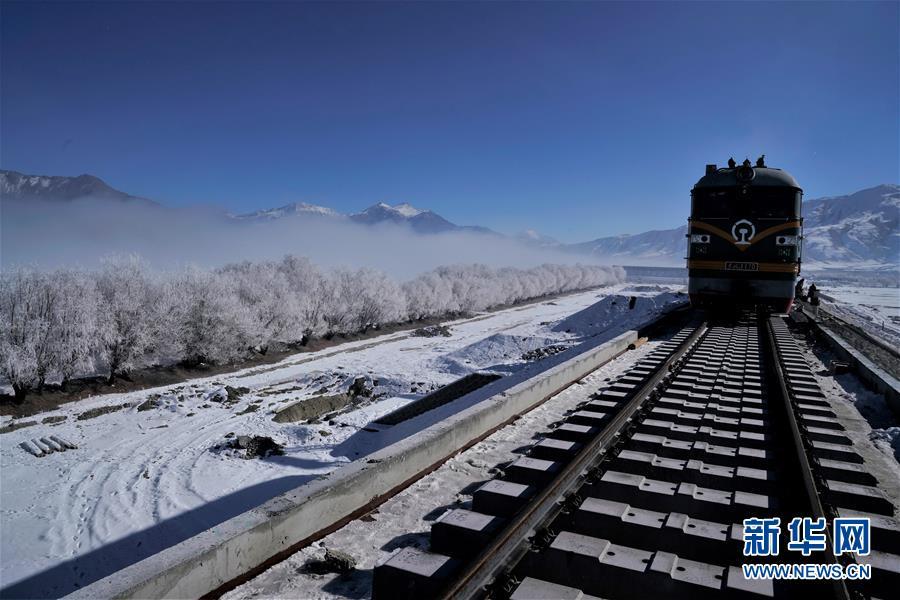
[[419, 220], [859, 230], [422, 221], [18, 186], [289, 210]]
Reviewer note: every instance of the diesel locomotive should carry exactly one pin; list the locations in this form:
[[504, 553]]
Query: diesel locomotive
[[744, 237]]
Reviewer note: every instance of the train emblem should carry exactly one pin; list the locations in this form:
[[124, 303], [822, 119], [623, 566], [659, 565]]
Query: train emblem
[[742, 232]]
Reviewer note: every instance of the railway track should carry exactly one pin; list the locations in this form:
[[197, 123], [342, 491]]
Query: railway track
[[643, 489]]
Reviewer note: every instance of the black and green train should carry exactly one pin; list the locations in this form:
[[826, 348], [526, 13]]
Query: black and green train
[[744, 237]]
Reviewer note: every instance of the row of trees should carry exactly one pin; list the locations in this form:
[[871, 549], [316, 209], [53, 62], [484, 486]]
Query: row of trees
[[63, 324]]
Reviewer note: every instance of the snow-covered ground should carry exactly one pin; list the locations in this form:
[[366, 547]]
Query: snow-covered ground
[[876, 310], [141, 481], [886, 300]]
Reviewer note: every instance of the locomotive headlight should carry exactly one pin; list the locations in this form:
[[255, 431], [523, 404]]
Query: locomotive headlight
[[745, 172], [699, 238], [786, 240]]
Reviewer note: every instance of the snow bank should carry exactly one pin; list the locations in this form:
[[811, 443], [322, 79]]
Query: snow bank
[[496, 353], [613, 313]]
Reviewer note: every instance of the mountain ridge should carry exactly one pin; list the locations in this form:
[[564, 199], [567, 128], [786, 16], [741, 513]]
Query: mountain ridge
[[20, 186]]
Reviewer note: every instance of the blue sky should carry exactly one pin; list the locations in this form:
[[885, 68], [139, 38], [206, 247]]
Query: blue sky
[[576, 119]]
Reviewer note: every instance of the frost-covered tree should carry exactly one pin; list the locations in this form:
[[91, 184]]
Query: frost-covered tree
[[46, 326], [128, 319], [208, 321], [430, 295], [74, 333], [310, 290], [273, 308], [25, 327], [469, 288], [376, 300], [338, 292], [55, 324]]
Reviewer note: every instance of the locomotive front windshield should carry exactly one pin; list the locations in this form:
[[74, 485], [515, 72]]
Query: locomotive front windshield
[[765, 203]]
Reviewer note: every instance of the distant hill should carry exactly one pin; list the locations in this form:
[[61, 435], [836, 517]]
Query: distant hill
[[662, 247], [535, 238], [419, 220], [54, 188]]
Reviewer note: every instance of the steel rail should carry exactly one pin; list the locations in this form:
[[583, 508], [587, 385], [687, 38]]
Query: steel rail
[[809, 479], [503, 551]]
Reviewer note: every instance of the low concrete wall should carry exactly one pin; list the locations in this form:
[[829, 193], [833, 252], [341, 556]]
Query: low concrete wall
[[872, 374], [879, 379], [205, 562]]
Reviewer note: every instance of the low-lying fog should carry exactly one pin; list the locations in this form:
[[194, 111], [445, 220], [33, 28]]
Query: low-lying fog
[[49, 234]]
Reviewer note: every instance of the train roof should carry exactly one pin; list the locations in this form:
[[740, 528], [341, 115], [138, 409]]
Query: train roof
[[763, 177]]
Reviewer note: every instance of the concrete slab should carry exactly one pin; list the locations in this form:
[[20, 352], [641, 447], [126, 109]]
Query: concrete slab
[[460, 532], [501, 498], [411, 573]]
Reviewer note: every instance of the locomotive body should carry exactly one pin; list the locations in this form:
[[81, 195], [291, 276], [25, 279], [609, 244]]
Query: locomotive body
[[744, 237]]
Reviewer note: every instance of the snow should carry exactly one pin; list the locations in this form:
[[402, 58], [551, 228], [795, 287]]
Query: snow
[[599, 317], [875, 310], [492, 352], [297, 208], [141, 481], [884, 300], [405, 209]]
